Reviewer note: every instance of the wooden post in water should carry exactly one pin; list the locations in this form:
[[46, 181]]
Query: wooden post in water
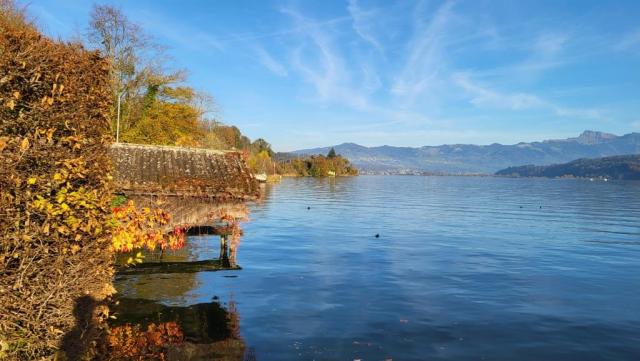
[[223, 247], [232, 254]]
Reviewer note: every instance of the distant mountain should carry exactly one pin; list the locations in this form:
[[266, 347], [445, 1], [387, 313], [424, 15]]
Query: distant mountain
[[470, 159], [617, 167]]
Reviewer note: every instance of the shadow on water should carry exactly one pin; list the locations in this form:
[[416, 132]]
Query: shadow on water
[[211, 331], [203, 331], [222, 264], [177, 263], [155, 318]]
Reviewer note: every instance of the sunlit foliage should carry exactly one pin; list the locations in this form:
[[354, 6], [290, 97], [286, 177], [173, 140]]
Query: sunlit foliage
[[54, 186], [145, 228], [317, 166], [130, 342]]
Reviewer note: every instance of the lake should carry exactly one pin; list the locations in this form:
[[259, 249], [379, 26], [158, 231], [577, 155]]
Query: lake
[[464, 268]]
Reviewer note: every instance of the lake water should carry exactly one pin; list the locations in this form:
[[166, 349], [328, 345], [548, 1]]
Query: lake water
[[465, 268]]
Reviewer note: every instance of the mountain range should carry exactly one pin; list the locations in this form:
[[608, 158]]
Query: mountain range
[[481, 159]]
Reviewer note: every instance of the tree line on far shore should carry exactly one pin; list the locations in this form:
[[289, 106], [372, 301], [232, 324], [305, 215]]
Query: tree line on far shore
[[316, 165]]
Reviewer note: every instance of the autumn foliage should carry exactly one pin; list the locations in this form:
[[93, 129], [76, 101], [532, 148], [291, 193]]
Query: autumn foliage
[[131, 342], [317, 166], [54, 186], [144, 228]]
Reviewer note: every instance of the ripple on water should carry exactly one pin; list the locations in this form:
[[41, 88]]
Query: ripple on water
[[464, 268]]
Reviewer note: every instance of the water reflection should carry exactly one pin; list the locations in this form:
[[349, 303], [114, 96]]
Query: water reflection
[[154, 317], [464, 268], [206, 331]]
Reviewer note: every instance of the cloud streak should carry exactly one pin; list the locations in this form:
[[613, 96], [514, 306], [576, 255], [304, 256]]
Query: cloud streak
[[483, 96], [630, 41], [270, 63], [426, 58], [362, 25], [321, 64]]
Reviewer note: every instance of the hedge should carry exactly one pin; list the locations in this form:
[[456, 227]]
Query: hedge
[[55, 189]]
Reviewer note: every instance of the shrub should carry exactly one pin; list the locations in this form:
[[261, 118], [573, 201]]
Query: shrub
[[54, 191]]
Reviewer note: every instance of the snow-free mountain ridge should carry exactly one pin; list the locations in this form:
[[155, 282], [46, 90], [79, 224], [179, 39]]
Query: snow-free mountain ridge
[[472, 159]]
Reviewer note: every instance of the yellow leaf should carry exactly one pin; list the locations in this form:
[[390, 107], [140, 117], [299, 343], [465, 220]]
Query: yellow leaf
[[11, 104], [49, 100], [16, 95], [31, 180], [24, 145]]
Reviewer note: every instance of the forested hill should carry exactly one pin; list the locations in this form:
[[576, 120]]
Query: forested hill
[[469, 158], [618, 167]]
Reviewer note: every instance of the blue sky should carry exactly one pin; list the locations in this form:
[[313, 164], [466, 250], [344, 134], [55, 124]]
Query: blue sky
[[407, 73]]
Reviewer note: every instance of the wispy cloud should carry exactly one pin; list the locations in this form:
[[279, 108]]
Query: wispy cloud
[[540, 54], [339, 79], [426, 58], [484, 96], [178, 32], [362, 23], [270, 63], [629, 42], [550, 44], [43, 16], [321, 64]]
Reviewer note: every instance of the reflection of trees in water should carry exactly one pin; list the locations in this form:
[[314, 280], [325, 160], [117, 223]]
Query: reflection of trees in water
[[171, 273], [210, 331], [133, 342]]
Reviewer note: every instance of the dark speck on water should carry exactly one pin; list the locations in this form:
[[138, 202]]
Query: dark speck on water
[[476, 277]]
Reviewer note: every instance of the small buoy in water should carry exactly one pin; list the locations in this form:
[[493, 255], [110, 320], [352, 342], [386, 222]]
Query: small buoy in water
[[377, 235], [308, 207], [540, 207], [520, 206]]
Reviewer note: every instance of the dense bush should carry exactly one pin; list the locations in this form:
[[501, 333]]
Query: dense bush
[[54, 191]]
